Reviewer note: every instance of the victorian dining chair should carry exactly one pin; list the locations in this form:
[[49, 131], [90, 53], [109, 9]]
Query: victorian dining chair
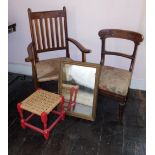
[[115, 81], [49, 33]]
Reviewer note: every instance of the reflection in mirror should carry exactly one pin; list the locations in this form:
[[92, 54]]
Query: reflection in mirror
[[77, 87]]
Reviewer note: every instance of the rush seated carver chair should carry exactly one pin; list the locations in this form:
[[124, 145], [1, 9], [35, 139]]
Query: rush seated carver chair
[[114, 81], [49, 33]]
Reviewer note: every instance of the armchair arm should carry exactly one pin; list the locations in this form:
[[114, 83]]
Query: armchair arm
[[81, 47], [30, 57]]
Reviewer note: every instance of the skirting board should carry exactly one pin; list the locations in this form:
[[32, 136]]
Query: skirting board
[[20, 69], [27, 70]]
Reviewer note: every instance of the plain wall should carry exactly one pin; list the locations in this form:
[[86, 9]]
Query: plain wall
[[85, 19]]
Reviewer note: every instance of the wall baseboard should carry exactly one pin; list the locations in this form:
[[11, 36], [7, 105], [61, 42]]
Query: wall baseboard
[[20, 69], [138, 84], [27, 70]]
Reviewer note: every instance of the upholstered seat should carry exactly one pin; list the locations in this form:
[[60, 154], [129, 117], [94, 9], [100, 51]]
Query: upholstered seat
[[114, 80], [49, 69]]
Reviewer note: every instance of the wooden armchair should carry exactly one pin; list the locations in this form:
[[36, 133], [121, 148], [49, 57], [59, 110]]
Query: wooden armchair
[[115, 82], [49, 33]]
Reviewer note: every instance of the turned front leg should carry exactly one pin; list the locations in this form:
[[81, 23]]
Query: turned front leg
[[20, 110], [44, 121]]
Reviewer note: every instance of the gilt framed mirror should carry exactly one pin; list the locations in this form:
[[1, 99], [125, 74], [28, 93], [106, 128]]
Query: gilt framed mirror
[[78, 83]]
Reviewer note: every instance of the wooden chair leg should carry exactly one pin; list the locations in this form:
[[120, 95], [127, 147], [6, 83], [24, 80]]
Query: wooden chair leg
[[36, 84], [121, 111], [34, 75]]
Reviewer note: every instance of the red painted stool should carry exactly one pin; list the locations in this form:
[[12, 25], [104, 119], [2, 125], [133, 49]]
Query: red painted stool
[[41, 103], [70, 92]]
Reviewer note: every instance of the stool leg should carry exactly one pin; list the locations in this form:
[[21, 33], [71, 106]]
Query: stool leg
[[22, 121], [62, 107], [44, 121]]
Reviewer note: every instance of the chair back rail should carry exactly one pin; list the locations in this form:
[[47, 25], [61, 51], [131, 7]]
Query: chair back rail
[[49, 30], [122, 34]]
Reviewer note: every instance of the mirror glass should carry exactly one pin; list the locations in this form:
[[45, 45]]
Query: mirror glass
[[78, 85]]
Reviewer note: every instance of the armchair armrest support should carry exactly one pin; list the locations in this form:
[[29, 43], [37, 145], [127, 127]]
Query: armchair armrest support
[[30, 57], [81, 47]]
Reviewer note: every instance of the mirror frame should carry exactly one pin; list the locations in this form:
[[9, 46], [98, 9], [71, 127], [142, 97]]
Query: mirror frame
[[84, 64]]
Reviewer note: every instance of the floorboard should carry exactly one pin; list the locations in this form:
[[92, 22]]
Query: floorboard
[[74, 136]]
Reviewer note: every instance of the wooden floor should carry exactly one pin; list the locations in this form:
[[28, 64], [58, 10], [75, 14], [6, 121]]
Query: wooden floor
[[74, 136]]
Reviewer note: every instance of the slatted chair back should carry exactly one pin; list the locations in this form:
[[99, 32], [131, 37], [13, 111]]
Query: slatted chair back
[[49, 30], [49, 33], [135, 37]]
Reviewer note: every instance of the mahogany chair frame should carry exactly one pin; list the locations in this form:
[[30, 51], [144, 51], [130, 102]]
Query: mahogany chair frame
[[40, 43], [136, 38]]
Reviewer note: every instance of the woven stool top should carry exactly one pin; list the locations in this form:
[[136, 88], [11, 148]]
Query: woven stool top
[[41, 101]]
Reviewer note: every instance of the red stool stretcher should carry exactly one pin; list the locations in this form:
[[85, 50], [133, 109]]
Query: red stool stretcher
[[41, 103]]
